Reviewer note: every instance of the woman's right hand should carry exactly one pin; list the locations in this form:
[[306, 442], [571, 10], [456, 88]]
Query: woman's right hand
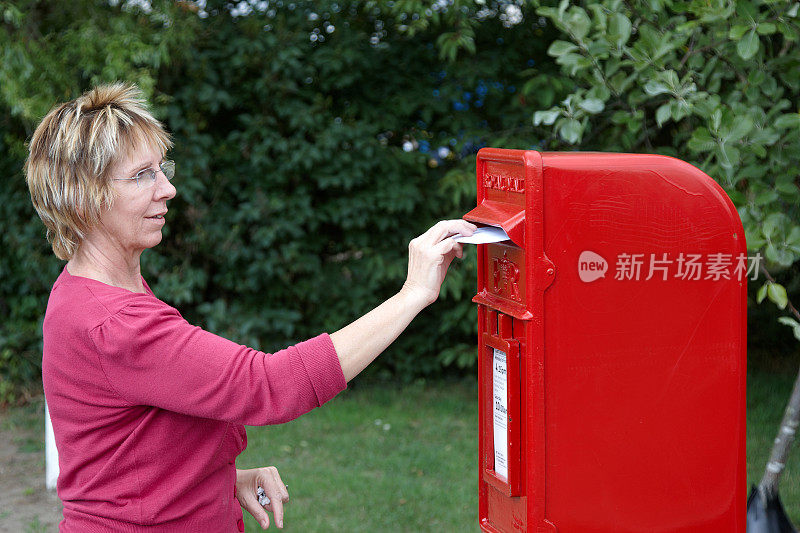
[[429, 256], [247, 484]]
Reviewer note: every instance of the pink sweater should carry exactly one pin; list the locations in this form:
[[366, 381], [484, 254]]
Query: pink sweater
[[148, 409]]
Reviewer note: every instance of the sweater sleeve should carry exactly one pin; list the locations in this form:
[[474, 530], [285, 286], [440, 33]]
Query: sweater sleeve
[[152, 356]]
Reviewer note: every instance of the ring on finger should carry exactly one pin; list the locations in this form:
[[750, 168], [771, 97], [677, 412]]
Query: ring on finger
[[263, 499]]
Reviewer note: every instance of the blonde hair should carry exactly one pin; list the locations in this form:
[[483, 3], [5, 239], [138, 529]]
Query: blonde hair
[[73, 149]]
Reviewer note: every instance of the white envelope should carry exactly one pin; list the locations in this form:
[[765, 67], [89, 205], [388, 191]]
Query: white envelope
[[483, 235]]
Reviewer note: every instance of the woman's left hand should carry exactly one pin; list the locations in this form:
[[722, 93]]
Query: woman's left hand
[[247, 483]]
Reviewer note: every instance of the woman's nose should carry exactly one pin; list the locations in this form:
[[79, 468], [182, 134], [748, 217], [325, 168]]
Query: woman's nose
[[164, 187]]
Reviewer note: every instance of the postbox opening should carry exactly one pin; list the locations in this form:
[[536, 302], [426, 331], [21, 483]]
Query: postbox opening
[[507, 216]]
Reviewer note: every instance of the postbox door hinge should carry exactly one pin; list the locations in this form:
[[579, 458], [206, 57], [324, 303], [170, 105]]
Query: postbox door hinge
[[545, 272]]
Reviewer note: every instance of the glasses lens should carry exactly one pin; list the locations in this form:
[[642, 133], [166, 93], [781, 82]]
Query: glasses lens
[[145, 178], [168, 168]]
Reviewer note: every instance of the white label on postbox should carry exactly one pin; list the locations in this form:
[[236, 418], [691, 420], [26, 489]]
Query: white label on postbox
[[500, 399]]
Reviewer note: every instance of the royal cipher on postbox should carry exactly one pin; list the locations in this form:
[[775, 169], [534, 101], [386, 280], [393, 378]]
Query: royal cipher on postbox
[[611, 345]]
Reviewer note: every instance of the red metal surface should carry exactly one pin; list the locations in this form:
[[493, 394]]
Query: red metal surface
[[513, 485], [630, 393]]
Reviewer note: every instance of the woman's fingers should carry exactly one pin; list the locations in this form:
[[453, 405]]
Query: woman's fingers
[[276, 504], [445, 228], [446, 245], [251, 505], [276, 491], [429, 256], [263, 484]]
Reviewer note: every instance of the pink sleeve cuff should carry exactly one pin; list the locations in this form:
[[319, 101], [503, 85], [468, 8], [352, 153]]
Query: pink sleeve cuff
[[322, 367]]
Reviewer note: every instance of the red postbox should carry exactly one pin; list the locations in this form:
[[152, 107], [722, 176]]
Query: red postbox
[[612, 352]]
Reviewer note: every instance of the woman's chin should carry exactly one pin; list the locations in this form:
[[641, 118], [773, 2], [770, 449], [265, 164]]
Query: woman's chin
[[153, 240]]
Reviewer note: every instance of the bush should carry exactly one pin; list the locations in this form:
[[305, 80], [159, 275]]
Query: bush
[[712, 83], [313, 140]]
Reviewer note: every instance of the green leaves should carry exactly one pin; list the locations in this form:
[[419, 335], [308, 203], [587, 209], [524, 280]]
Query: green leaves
[[577, 21], [695, 80], [306, 166], [559, 48], [546, 117], [747, 47], [619, 29], [780, 237], [776, 293], [788, 121], [450, 43], [655, 87], [792, 323], [737, 32], [592, 105], [663, 114], [570, 130], [573, 63]]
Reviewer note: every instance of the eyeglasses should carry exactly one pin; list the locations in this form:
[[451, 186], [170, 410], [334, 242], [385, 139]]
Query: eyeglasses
[[147, 177]]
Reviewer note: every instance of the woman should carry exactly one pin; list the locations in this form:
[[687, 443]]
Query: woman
[[148, 410]]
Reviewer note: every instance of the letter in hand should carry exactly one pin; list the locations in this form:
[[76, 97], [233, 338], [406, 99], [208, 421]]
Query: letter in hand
[[429, 256]]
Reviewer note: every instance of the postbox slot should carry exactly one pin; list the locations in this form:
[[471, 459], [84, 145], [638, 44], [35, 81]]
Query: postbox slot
[[510, 217], [505, 326]]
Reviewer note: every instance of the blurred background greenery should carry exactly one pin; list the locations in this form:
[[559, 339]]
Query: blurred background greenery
[[313, 140]]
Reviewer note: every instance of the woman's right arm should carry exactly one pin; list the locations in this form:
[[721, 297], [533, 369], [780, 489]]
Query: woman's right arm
[[429, 256], [150, 355]]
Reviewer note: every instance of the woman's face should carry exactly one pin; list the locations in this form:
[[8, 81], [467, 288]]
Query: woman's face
[[136, 217]]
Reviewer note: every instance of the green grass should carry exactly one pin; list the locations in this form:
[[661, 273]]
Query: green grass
[[35, 526], [22, 422], [767, 394], [392, 458], [347, 474], [378, 459]]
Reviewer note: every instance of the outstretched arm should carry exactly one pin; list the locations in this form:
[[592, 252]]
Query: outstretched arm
[[429, 255]]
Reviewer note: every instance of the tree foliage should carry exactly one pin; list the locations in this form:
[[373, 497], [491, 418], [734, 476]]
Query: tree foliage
[[713, 83], [50, 52], [313, 140]]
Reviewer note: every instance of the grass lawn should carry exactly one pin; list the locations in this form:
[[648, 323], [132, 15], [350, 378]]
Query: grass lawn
[[389, 458], [767, 394], [378, 459]]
